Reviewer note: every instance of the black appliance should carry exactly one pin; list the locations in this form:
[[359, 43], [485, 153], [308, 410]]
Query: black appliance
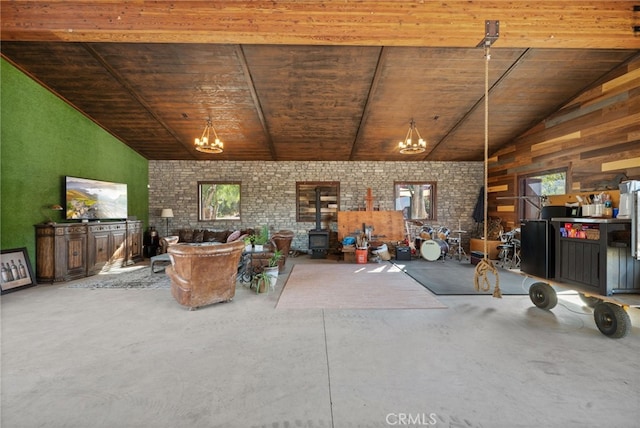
[[537, 248], [318, 237], [550, 211], [537, 240]]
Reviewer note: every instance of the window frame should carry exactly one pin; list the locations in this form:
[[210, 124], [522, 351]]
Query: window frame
[[303, 189], [228, 199], [399, 189]]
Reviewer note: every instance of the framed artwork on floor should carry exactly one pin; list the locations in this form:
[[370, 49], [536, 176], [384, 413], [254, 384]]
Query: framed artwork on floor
[[16, 270]]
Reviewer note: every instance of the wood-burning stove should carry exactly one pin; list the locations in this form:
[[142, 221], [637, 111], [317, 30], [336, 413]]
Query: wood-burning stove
[[318, 237]]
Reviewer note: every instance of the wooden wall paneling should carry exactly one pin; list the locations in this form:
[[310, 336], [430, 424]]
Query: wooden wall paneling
[[596, 136]]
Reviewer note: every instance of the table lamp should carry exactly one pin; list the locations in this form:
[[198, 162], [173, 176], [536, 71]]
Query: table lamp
[[167, 213]]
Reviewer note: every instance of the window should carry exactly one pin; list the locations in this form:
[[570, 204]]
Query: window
[[218, 201], [416, 199], [535, 188], [329, 203]]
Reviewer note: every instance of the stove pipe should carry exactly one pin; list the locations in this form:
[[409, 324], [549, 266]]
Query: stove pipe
[[318, 237], [318, 210]]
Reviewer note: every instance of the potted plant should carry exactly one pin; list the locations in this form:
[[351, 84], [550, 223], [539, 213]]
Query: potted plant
[[248, 242], [261, 239], [262, 282], [272, 269]]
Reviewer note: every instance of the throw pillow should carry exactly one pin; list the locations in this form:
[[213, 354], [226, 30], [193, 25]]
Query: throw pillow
[[185, 235], [209, 236], [198, 236], [221, 236], [235, 235]]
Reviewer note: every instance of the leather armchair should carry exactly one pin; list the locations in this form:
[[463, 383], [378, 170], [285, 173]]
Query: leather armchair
[[166, 242], [280, 240], [203, 274]]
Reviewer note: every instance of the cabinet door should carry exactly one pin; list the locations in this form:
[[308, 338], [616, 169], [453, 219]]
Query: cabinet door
[[99, 251], [45, 253], [76, 249], [118, 246], [580, 261]]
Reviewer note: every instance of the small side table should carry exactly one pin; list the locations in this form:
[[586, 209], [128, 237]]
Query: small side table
[[247, 271], [160, 258]]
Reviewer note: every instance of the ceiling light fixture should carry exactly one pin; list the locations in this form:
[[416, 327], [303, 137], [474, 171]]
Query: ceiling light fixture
[[204, 143], [408, 146]]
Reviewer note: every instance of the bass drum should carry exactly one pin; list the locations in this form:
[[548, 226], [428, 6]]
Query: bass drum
[[433, 249]]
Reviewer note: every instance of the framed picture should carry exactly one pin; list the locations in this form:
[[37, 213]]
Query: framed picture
[[16, 270], [218, 201]]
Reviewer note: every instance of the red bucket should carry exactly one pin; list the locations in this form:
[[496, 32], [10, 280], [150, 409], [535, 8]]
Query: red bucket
[[361, 256]]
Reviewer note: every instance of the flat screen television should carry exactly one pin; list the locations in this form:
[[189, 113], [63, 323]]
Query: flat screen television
[[88, 199]]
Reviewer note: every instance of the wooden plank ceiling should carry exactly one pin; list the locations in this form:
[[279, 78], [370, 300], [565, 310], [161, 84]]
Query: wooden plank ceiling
[[316, 80]]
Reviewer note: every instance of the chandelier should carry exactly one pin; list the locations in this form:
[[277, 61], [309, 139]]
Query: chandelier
[[410, 147], [204, 143]]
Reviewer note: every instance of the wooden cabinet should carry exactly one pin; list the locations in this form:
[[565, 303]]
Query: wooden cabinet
[[596, 254], [61, 252], [74, 250]]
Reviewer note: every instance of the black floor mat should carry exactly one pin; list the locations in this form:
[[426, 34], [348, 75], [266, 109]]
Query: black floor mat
[[455, 277]]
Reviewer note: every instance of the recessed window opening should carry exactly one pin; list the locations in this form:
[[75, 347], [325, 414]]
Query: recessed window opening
[[534, 189]]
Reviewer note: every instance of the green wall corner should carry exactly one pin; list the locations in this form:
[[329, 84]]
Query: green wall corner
[[42, 140]]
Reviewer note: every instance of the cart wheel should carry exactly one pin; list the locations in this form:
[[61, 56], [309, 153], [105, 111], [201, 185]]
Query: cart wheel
[[543, 295], [590, 301], [612, 320]]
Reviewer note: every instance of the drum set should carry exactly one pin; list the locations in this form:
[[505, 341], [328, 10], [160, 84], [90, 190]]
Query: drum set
[[436, 243]]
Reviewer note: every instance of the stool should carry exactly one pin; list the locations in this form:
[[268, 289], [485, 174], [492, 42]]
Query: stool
[[515, 260], [160, 258], [505, 251]]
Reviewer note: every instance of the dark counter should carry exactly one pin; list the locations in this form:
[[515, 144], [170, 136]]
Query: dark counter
[[595, 253]]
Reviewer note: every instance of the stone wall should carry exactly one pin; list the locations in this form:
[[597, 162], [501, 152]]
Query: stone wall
[[268, 191]]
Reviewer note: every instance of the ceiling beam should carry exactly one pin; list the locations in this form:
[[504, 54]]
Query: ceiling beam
[[256, 101], [359, 141], [455, 23]]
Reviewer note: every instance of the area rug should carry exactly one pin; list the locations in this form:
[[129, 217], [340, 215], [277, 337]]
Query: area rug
[[353, 286], [452, 277], [139, 277]]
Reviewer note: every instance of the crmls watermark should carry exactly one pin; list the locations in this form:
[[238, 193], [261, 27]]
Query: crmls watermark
[[417, 419]]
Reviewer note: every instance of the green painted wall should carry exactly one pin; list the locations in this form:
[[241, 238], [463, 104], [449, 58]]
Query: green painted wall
[[43, 139]]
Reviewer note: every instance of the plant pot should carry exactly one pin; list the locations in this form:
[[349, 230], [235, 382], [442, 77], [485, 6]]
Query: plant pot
[[272, 273], [262, 287]]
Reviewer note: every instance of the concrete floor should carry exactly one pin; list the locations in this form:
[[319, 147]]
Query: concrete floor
[[134, 358]]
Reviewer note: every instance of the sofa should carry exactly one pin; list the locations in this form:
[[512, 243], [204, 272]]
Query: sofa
[[205, 273], [196, 236]]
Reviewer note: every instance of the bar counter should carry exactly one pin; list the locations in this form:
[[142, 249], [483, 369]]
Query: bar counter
[[595, 253]]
